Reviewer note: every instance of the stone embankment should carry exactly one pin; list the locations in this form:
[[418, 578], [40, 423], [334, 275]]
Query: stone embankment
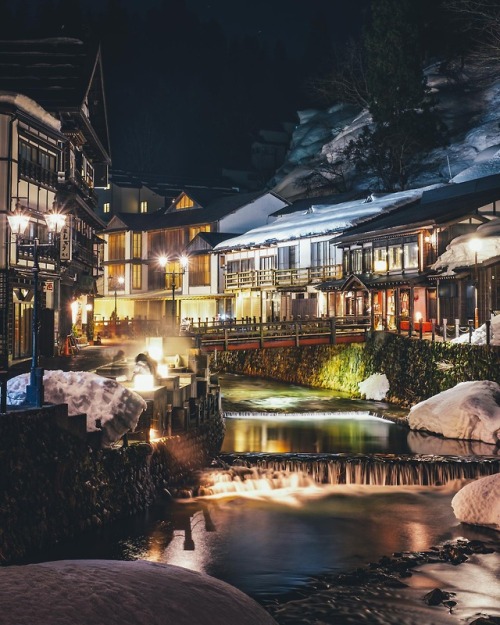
[[416, 369], [53, 485]]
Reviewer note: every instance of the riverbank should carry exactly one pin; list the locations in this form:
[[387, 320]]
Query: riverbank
[[453, 583], [415, 369]]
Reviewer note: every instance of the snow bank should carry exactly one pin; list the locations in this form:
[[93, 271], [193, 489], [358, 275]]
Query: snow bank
[[375, 387], [478, 336], [470, 410], [478, 503], [117, 407], [121, 593]]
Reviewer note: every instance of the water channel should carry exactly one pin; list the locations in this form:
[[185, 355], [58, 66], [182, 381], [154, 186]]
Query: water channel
[[270, 536]]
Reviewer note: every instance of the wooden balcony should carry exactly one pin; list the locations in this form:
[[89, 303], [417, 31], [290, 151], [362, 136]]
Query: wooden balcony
[[281, 277]]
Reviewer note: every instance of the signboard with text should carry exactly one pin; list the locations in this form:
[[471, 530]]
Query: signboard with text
[[65, 252]]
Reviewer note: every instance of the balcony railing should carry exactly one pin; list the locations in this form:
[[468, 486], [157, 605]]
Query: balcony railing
[[281, 277], [36, 172]]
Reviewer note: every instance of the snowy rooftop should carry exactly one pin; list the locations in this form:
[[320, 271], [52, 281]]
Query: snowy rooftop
[[321, 219]]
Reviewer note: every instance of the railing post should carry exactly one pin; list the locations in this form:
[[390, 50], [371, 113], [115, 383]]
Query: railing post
[[226, 340], [445, 330], [488, 331], [261, 334], [333, 331], [471, 329], [297, 340], [421, 330], [433, 330], [457, 328]]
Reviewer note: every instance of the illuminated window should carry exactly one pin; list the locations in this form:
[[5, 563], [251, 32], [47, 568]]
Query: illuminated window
[[356, 261], [115, 277], [137, 245], [320, 254], [116, 246], [395, 257], [194, 230], [144, 206], [137, 276], [199, 270], [106, 207], [410, 253], [184, 202]]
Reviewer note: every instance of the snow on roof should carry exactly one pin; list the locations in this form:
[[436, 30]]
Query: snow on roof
[[30, 107], [461, 253], [321, 219]]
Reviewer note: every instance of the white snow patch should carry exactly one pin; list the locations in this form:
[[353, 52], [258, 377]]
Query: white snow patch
[[470, 410], [122, 593], [31, 107], [375, 387], [478, 336], [478, 503], [117, 407], [459, 252]]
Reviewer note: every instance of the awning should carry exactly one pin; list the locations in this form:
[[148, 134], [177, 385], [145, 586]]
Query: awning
[[371, 281]]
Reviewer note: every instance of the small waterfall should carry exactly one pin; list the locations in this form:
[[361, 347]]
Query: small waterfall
[[376, 470]]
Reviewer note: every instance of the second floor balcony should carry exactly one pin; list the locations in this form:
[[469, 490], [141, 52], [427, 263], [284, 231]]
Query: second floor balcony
[[281, 277]]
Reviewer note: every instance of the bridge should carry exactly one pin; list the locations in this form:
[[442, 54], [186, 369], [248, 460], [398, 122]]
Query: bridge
[[250, 334]]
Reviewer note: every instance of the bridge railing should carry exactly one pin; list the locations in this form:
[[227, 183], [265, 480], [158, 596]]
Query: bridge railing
[[298, 331]]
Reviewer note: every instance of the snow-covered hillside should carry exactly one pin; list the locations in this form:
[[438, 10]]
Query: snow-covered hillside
[[468, 105]]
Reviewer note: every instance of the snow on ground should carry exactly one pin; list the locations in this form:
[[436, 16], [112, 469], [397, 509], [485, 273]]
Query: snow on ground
[[478, 336], [470, 410], [117, 407], [82, 592], [478, 503], [375, 387]]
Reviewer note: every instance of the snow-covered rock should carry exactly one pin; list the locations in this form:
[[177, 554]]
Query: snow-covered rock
[[117, 407], [478, 503], [375, 387], [469, 410], [121, 593]]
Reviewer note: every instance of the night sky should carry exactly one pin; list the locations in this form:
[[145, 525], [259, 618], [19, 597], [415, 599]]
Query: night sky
[[189, 83]]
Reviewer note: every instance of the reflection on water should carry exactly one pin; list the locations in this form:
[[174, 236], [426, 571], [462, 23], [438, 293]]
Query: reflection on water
[[272, 417], [269, 544], [344, 433]]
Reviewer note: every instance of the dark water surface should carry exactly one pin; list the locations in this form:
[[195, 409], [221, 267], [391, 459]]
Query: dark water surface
[[270, 542]]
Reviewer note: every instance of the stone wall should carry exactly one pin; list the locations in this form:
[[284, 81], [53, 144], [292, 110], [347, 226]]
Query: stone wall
[[415, 369], [53, 485]]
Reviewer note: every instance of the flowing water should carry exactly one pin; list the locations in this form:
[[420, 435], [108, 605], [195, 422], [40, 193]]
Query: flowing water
[[310, 499]]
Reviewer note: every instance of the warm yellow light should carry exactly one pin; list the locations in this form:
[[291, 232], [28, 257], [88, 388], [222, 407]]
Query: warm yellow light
[[163, 370], [144, 382], [154, 347], [18, 222], [74, 311], [162, 261], [418, 317], [55, 221], [153, 434]]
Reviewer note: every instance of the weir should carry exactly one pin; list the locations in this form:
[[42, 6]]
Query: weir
[[376, 470]]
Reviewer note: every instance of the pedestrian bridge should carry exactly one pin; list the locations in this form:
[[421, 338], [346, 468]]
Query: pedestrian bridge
[[238, 335]]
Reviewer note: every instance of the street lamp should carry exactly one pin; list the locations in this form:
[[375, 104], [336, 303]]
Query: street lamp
[[18, 222], [118, 282], [475, 245], [183, 262]]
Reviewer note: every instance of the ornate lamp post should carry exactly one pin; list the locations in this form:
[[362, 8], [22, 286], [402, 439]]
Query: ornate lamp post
[[475, 245], [18, 222], [183, 262]]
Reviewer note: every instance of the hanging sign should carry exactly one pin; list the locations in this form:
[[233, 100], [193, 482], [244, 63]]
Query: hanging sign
[[65, 252], [48, 286]]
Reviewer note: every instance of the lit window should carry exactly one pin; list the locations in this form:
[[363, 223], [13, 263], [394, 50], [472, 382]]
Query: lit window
[[137, 276], [106, 207], [411, 255], [137, 245], [184, 202], [144, 206], [395, 257]]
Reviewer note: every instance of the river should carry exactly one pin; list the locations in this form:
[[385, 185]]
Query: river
[[270, 536]]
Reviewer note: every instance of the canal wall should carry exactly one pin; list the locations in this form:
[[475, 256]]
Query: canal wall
[[416, 369], [53, 485]]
